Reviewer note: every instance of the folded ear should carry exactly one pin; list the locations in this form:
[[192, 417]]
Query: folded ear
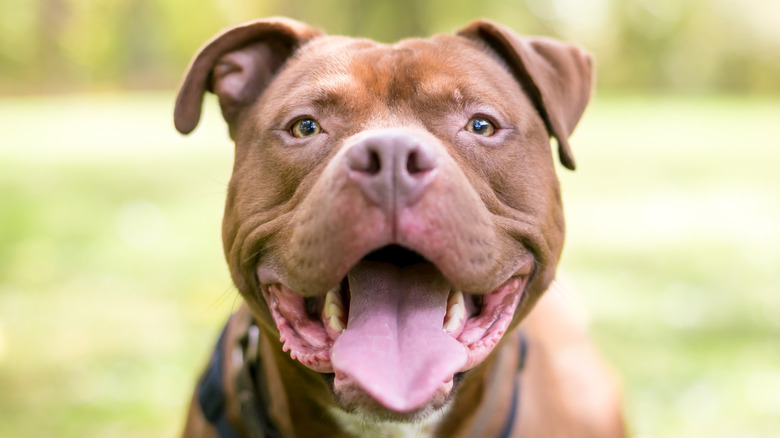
[[237, 65], [557, 76]]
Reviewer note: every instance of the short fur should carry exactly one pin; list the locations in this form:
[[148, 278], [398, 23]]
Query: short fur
[[290, 202]]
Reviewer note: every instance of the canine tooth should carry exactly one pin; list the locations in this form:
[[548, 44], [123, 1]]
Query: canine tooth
[[456, 312], [452, 324], [333, 304], [331, 295], [455, 298], [336, 310], [336, 324]]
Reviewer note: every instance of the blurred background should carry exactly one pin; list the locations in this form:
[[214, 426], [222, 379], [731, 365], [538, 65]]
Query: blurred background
[[112, 282]]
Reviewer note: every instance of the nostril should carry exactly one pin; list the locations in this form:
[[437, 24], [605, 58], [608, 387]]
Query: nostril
[[391, 168], [413, 164], [391, 155], [365, 159], [419, 160], [374, 163]]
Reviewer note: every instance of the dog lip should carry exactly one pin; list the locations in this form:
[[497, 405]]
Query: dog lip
[[482, 332], [267, 276], [305, 338], [309, 338]]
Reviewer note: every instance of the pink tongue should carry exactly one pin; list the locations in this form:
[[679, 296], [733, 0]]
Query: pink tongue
[[394, 347]]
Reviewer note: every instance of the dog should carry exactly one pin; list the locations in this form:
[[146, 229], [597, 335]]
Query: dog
[[393, 216]]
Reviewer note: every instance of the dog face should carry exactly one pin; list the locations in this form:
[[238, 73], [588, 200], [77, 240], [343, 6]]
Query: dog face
[[393, 209]]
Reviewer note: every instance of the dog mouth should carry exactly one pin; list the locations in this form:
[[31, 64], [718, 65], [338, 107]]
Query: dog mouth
[[394, 327]]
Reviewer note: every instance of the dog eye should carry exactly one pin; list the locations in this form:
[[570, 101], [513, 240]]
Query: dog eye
[[305, 128], [481, 126]]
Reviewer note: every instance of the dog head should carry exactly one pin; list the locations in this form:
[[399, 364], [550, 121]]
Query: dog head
[[393, 209]]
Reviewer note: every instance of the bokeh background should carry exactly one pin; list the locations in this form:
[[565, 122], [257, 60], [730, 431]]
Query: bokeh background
[[112, 283]]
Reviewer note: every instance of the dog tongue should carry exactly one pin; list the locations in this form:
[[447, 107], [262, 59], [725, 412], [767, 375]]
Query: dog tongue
[[394, 346]]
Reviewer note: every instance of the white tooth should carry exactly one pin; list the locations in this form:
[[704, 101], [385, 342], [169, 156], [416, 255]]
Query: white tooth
[[333, 304], [452, 324], [455, 298], [335, 309], [333, 296], [456, 312], [336, 324]]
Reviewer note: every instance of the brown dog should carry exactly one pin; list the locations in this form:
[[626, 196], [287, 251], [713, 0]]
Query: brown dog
[[393, 215]]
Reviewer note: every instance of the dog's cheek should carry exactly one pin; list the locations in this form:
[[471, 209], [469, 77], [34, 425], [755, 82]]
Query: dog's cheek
[[518, 181], [264, 175]]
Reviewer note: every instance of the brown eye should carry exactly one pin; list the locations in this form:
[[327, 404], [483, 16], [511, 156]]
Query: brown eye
[[305, 128], [481, 126]]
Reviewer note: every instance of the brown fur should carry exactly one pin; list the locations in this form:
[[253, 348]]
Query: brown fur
[[290, 203]]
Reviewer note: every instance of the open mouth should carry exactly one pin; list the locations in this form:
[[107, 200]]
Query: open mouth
[[394, 326]]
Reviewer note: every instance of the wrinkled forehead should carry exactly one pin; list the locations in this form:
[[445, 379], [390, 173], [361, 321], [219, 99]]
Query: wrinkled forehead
[[443, 68]]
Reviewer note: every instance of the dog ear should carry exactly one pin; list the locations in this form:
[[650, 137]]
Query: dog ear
[[557, 76], [237, 65]]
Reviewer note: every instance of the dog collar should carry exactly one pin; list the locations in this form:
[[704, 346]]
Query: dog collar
[[506, 432], [254, 401]]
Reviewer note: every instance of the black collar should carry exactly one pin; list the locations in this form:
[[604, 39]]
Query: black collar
[[511, 419], [253, 402]]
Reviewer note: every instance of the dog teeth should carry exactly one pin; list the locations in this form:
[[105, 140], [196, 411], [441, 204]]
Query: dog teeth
[[336, 324], [333, 303], [456, 312], [333, 310]]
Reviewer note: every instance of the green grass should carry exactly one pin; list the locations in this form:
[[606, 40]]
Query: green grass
[[112, 283]]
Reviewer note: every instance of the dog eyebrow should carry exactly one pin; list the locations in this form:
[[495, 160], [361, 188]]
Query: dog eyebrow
[[441, 86], [318, 100], [336, 91], [333, 83], [441, 93]]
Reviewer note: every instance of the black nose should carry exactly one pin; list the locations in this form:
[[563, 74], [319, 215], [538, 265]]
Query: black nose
[[392, 168]]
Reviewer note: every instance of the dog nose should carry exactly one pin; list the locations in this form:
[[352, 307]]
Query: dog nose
[[392, 168]]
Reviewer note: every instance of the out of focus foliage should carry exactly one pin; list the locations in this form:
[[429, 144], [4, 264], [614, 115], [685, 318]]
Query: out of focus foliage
[[691, 46]]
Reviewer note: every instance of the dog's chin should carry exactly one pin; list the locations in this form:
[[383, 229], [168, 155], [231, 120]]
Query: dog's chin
[[353, 400]]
